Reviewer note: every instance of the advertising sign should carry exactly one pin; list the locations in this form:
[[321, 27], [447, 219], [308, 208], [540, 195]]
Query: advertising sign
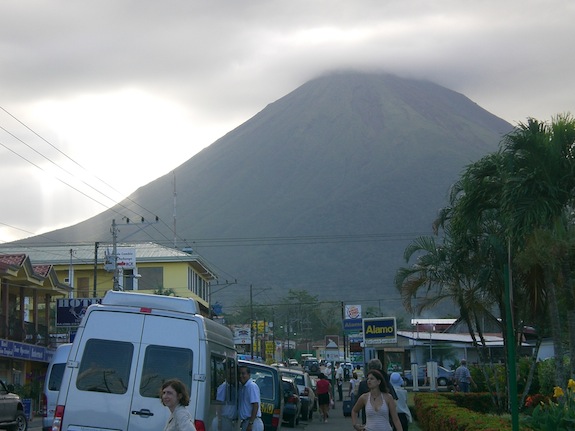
[[332, 341], [379, 330], [69, 311], [352, 312], [352, 326], [242, 335], [126, 257]]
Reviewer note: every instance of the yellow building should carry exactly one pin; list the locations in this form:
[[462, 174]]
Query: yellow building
[[34, 278], [91, 271], [26, 293]]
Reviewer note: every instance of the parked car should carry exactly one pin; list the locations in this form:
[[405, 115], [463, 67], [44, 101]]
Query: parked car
[[292, 402], [306, 390], [311, 366], [12, 415], [444, 376], [293, 363]]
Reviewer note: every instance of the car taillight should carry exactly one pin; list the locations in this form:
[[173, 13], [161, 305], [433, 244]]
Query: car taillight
[[200, 426], [276, 418], [58, 417], [44, 406], [292, 399]]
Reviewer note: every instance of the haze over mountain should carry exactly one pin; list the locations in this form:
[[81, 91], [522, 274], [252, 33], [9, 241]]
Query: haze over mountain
[[322, 190]]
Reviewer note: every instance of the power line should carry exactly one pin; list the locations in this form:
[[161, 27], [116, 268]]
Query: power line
[[70, 173]]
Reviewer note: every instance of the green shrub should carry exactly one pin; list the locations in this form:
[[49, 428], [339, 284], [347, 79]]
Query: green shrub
[[441, 412]]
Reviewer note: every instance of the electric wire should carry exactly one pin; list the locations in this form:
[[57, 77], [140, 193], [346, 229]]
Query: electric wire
[[71, 174]]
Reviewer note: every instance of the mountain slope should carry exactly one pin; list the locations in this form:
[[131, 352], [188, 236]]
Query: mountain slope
[[322, 190]]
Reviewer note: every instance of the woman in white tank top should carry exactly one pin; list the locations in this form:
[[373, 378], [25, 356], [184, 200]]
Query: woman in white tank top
[[379, 406]]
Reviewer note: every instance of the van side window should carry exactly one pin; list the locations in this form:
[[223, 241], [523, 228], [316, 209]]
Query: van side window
[[105, 366], [55, 379], [162, 363], [222, 370]]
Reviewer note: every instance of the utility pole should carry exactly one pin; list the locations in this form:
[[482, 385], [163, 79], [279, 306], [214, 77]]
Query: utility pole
[[114, 230], [175, 197], [251, 322], [343, 331], [71, 275], [95, 293]]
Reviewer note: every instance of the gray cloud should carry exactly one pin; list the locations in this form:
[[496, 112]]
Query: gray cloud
[[203, 68]]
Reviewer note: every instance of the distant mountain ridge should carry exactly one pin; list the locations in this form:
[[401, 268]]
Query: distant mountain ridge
[[322, 190]]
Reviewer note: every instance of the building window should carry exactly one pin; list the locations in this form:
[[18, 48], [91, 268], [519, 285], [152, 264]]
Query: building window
[[128, 280], [83, 289], [152, 278], [197, 284]]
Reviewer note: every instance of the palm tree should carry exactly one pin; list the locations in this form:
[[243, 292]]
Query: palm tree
[[455, 272], [528, 185], [538, 197], [507, 198]]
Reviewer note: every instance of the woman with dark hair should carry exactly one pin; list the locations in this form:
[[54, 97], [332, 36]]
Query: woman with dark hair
[[323, 390], [174, 395], [379, 406]]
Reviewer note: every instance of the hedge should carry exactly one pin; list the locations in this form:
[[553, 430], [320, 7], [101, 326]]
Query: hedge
[[458, 412]]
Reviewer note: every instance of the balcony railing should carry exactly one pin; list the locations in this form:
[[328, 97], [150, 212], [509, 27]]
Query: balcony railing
[[25, 333]]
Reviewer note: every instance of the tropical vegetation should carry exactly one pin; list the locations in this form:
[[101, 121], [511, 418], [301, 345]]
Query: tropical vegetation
[[503, 250]]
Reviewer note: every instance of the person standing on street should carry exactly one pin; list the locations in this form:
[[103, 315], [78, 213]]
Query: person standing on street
[[324, 398], [374, 364], [380, 407], [330, 376], [339, 380], [353, 387], [174, 395], [227, 412], [249, 402], [463, 377], [402, 409]]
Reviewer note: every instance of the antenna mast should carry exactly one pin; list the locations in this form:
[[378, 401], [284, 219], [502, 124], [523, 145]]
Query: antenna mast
[[175, 195]]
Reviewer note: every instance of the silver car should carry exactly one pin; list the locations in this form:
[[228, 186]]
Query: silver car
[[12, 415], [306, 388]]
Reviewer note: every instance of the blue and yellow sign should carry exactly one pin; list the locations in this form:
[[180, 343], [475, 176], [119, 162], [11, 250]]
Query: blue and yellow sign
[[352, 326], [379, 330]]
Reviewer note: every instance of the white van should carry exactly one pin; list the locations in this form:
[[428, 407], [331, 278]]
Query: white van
[[52, 384], [125, 348]]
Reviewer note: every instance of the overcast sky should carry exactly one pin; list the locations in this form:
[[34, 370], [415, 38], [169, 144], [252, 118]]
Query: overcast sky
[[91, 91]]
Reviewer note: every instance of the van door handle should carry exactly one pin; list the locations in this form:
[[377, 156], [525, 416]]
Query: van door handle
[[144, 413]]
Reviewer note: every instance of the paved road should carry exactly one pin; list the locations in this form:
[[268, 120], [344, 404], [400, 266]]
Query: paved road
[[336, 421], [35, 424]]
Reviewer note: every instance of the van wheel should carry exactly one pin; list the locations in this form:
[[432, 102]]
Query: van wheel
[[442, 381], [21, 423]]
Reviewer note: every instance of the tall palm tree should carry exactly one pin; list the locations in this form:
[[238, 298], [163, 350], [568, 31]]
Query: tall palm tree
[[507, 198], [537, 195]]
